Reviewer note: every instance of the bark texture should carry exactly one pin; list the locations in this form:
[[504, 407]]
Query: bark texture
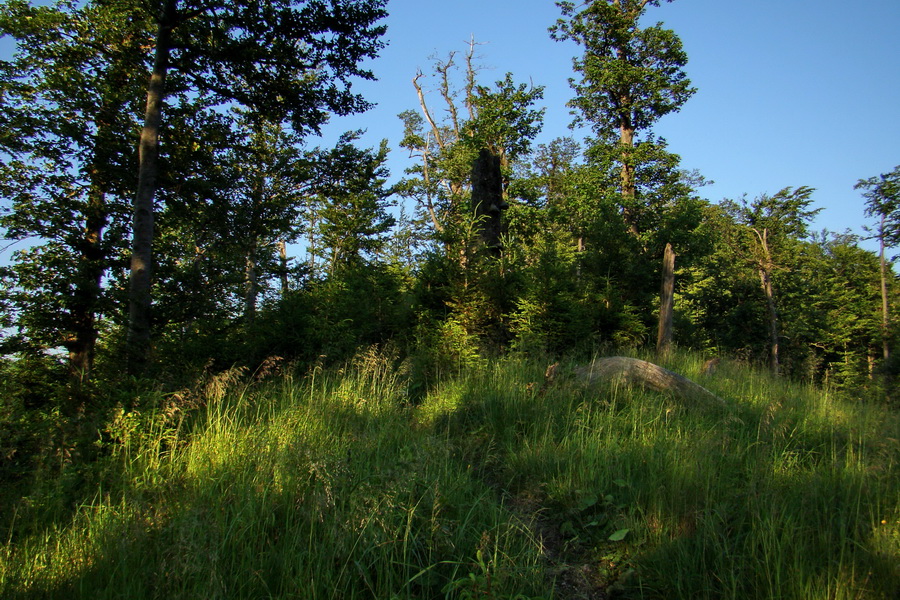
[[148, 171], [765, 281], [765, 266], [666, 302], [885, 306], [487, 199], [648, 375]]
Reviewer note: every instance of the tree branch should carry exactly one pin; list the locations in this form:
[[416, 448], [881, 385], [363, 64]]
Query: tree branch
[[434, 128]]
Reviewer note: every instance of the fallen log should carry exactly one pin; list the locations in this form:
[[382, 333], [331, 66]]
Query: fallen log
[[647, 375]]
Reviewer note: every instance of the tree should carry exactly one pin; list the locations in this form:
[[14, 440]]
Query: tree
[[480, 139], [269, 180], [287, 60], [843, 293], [462, 185], [768, 225], [883, 202], [67, 113], [351, 200], [630, 78]]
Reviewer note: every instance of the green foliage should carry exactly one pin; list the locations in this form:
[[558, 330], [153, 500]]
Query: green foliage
[[322, 486], [263, 55], [67, 100], [501, 119], [705, 492], [333, 318], [351, 202], [882, 196], [630, 74], [244, 485]]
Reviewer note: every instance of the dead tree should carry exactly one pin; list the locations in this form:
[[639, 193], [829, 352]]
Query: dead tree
[[487, 199], [666, 302]]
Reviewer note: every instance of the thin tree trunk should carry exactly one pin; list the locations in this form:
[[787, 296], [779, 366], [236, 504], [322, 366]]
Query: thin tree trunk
[[283, 261], [764, 266], [766, 282], [885, 308], [666, 302], [148, 170], [251, 285], [870, 361]]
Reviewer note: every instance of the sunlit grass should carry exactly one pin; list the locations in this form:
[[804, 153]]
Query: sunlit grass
[[333, 485]]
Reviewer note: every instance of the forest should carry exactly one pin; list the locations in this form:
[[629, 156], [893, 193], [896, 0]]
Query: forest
[[176, 228]]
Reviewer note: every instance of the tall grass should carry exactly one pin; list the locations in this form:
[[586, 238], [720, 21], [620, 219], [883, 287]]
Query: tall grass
[[332, 485], [786, 494]]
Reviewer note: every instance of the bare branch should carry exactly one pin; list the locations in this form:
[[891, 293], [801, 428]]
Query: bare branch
[[426, 175], [434, 128], [470, 78], [444, 68]]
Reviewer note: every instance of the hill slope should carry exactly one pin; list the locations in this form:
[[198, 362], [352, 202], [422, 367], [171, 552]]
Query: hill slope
[[495, 486]]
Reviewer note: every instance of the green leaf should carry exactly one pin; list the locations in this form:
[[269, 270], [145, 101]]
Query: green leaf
[[619, 535]]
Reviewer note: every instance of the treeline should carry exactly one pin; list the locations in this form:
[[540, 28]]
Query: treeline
[[157, 181]]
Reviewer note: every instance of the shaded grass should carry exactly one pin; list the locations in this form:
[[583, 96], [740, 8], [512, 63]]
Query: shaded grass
[[332, 486], [315, 489], [787, 494]]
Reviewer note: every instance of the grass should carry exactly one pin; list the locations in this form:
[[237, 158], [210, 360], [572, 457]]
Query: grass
[[332, 486]]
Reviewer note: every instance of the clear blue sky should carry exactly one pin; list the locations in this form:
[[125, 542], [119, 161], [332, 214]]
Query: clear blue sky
[[790, 92]]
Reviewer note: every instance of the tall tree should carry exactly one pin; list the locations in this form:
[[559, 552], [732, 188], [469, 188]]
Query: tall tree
[[289, 60], [67, 114], [768, 227], [351, 196], [882, 196], [482, 136], [631, 76]]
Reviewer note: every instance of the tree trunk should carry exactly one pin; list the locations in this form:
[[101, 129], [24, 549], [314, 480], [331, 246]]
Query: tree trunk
[[766, 282], [629, 185], [93, 260], [148, 170], [487, 199], [885, 308], [648, 375], [82, 341], [283, 261], [666, 302], [764, 266], [251, 285]]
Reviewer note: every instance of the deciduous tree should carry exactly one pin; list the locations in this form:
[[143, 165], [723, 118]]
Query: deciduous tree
[[291, 61], [631, 76], [882, 196], [67, 116], [768, 225]]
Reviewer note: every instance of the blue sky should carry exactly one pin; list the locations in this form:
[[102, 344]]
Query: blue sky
[[790, 92]]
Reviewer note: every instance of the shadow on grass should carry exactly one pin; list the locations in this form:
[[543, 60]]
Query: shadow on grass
[[779, 497], [331, 495]]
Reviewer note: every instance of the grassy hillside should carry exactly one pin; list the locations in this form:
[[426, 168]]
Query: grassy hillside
[[330, 485]]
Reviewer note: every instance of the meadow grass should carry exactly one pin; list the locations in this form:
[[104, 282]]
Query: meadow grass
[[332, 485]]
